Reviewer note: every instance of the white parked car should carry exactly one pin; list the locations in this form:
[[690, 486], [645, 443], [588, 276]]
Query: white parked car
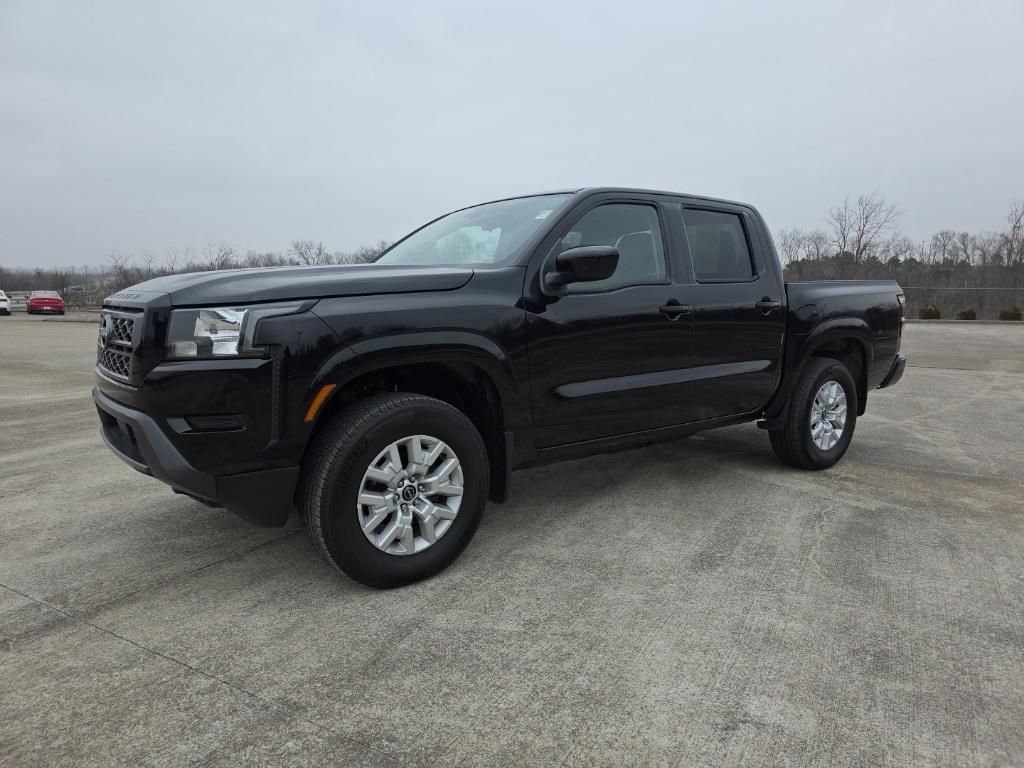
[[5, 304]]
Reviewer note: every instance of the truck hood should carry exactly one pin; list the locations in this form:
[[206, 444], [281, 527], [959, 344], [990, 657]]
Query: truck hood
[[247, 286]]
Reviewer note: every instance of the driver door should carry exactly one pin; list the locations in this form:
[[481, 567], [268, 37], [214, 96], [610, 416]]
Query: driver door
[[612, 357]]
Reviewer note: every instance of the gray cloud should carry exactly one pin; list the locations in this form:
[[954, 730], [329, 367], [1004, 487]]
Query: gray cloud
[[163, 125]]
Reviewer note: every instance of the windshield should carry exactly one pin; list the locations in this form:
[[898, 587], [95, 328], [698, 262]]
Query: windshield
[[486, 234]]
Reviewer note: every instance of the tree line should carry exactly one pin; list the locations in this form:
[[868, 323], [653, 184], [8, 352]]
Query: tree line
[[86, 286], [127, 270], [952, 272]]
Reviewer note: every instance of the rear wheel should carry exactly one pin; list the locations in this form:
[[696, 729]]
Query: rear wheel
[[394, 488], [822, 416]]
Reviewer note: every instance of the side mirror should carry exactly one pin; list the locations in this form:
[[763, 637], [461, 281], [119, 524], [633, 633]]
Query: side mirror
[[585, 264]]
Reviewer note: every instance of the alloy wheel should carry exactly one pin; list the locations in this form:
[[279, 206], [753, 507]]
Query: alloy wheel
[[410, 495], [828, 415]]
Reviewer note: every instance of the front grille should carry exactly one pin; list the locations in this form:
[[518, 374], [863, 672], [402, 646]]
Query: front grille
[[117, 343], [115, 361], [121, 329]]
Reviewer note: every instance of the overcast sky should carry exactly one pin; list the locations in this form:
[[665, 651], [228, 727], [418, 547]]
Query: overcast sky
[[145, 125]]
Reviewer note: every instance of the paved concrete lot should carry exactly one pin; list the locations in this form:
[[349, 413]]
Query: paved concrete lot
[[690, 603]]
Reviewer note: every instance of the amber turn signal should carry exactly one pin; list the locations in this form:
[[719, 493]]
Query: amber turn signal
[[318, 401]]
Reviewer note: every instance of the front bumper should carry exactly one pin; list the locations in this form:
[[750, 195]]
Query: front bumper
[[895, 372], [263, 497]]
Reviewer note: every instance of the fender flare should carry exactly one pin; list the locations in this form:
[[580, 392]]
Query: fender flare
[[802, 349], [447, 347], [839, 328], [418, 347]]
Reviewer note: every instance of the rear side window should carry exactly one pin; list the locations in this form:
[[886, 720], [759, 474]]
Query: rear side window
[[718, 245]]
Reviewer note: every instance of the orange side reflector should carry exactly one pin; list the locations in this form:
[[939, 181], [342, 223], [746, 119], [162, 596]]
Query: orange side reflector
[[319, 400]]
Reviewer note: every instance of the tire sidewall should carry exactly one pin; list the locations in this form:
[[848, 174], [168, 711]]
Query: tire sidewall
[[839, 373], [343, 476]]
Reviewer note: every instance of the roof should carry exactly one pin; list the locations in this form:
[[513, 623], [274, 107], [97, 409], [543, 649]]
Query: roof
[[639, 191], [629, 190]]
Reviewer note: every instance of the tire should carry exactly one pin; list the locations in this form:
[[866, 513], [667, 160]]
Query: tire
[[794, 443], [333, 478]]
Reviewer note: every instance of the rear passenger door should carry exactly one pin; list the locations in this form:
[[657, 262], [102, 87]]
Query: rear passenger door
[[739, 310]]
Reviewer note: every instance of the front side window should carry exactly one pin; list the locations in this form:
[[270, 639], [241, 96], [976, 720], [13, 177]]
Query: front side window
[[718, 246], [631, 228], [486, 234]]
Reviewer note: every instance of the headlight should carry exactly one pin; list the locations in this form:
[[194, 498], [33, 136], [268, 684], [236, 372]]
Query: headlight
[[219, 331]]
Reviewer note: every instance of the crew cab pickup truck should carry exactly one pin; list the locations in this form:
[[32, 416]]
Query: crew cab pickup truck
[[389, 401]]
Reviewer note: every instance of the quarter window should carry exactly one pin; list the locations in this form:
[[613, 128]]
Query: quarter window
[[632, 229], [718, 246]]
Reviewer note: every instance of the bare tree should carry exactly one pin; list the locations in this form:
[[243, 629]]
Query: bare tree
[[862, 227], [943, 245], [190, 263], [309, 253], [367, 253], [171, 263], [798, 247], [121, 270], [269, 259], [818, 246], [218, 255], [962, 247], [790, 243], [147, 269], [896, 248], [1013, 240]]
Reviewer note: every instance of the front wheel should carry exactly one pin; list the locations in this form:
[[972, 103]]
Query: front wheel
[[394, 488], [822, 416]]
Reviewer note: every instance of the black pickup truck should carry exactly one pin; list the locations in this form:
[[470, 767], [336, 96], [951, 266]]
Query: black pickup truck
[[389, 401]]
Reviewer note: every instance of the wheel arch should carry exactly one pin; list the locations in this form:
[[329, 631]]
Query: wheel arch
[[847, 340], [477, 379]]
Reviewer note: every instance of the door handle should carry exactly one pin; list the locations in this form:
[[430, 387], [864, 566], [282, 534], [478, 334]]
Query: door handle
[[767, 306], [673, 310]]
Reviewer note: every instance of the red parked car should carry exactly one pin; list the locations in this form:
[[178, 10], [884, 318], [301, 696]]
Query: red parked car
[[44, 301]]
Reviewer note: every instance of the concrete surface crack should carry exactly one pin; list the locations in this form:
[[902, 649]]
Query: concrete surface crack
[[819, 526], [9, 641], [288, 711]]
